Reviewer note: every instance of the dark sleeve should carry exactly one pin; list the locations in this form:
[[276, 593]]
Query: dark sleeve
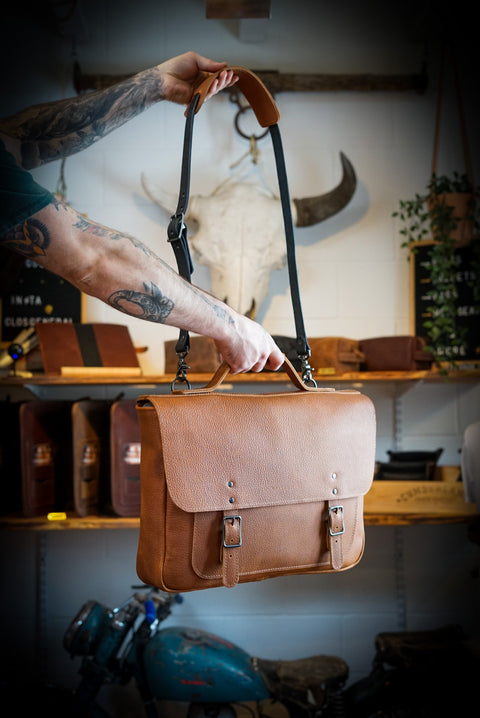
[[20, 195]]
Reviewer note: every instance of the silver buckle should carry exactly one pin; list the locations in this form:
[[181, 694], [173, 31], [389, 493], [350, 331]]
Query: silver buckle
[[336, 509], [232, 519]]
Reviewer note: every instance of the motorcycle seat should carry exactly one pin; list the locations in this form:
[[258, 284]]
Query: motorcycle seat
[[409, 649], [315, 674]]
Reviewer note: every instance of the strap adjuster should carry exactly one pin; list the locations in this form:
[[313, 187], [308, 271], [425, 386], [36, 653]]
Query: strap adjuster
[[232, 520], [176, 226], [336, 510]]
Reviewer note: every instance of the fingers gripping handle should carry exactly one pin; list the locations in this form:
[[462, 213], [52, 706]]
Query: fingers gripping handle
[[260, 99]]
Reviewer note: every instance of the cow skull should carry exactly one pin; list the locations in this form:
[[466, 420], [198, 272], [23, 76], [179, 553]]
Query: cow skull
[[238, 232]]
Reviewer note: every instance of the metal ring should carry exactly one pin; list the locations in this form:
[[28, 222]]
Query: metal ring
[[236, 120]]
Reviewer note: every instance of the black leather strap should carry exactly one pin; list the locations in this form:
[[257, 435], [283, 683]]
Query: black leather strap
[[177, 229], [302, 344], [177, 236]]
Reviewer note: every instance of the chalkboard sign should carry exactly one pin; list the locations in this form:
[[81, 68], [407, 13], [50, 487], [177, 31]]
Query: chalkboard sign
[[38, 296], [467, 310]]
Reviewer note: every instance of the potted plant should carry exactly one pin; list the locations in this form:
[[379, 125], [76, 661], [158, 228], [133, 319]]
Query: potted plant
[[445, 217]]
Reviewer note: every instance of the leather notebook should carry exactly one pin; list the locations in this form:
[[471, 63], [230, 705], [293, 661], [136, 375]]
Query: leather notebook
[[85, 345]]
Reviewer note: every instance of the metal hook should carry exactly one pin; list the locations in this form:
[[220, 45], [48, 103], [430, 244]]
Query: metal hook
[[182, 368], [237, 126]]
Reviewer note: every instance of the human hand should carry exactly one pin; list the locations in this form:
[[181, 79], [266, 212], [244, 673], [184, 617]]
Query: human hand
[[248, 347], [181, 75]]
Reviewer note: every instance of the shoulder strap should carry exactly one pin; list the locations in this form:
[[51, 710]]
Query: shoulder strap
[[267, 114]]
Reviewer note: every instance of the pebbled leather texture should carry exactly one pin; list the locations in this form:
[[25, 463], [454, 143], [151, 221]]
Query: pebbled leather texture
[[266, 467]]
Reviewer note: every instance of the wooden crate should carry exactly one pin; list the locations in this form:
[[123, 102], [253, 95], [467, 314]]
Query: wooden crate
[[443, 497]]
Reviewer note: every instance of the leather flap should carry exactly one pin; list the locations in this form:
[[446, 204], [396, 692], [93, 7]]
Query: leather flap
[[229, 452]]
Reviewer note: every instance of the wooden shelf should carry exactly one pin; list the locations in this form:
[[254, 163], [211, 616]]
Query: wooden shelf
[[263, 377], [40, 523], [388, 503]]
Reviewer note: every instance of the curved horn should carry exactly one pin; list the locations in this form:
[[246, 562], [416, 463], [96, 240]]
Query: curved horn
[[165, 200], [311, 210]]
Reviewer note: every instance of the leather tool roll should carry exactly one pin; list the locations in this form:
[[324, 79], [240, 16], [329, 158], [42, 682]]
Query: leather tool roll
[[125, 452], [240, 487], [91, 456], [46, 456], [396, 353]]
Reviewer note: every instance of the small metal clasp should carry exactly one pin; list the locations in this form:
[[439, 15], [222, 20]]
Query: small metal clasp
[[335, 509], [232, 519], [182, 368], [306, 370]]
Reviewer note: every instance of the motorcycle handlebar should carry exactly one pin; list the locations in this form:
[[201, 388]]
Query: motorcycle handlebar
[[152, 598]]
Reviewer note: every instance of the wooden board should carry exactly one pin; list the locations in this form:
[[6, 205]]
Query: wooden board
[[100, 371], [435, 498]]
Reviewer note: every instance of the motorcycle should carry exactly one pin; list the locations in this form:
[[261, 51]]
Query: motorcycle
[[420, 674], [188, 665]]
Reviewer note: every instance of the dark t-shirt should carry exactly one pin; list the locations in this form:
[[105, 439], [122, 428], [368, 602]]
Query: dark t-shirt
[[20, 195]]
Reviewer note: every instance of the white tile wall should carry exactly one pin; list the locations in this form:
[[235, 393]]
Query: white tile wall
[[354, 282]]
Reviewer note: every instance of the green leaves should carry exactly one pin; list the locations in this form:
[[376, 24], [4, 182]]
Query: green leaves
[[428, 216]]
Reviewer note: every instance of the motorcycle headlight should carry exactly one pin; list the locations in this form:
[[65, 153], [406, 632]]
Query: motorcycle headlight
[[85, 631]]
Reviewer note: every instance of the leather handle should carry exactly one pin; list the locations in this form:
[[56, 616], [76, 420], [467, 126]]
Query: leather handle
[[260, 99], [223, 371]]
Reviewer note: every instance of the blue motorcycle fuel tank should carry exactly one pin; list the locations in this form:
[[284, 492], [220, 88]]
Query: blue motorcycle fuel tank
[[185, 664]]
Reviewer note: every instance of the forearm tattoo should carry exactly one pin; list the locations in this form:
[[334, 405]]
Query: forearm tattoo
[[30, 238], [85, 225], [57, 129], [218, 309], [150, 305]]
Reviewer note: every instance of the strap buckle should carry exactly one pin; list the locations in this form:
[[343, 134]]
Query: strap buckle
[[336, 510], [232, 520], [176, 226]]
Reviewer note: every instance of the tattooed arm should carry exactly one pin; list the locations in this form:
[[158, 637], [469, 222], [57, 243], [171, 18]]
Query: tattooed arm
[[122, 272], [53, 130]]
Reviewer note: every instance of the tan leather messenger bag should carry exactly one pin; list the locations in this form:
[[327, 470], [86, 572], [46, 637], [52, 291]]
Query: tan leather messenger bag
[[239, 487]]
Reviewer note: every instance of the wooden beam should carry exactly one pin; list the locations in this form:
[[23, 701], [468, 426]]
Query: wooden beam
[[237, 9], [290, 82]]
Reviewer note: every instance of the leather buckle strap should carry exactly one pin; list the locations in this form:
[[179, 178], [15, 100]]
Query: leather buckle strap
[[231, 542], [336, 529], [232, 538], [336, 526]]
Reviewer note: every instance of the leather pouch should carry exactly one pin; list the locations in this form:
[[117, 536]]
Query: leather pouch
[[335, 355], [397, 353], [243, 487], [405, 471], [46, 456], [203, 355], [409, 465], [329, 355], [91, 456], [125, 456]]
